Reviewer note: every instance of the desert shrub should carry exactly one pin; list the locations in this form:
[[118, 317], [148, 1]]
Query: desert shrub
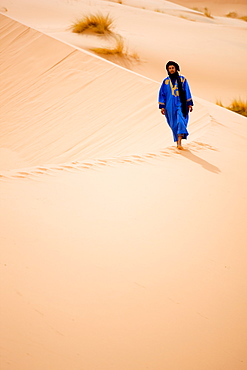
[[101, 25], [118, 49], [207, 13], [244, 18], [238, 106], [93, 23], [219, 102], [232, 15]]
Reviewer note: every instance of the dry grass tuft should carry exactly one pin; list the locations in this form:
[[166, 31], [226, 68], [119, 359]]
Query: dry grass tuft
[[117, 50], [238, 106], [235, 16], [219, 102], [244, 18], [98, 24], [232, 15], [207, 13], [94, 23]]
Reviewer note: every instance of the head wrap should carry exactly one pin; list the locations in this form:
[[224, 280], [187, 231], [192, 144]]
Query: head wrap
[[171, 63], [182, 94]]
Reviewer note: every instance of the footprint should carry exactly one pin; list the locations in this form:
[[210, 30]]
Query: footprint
[[42, 168], [24, 173], [83, 167], [68, 167], [127, 161]]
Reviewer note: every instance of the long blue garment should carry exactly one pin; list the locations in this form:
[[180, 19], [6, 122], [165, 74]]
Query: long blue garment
[[170, 100]]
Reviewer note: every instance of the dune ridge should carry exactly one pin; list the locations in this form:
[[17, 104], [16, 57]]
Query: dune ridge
[[156, 37], [61, 99]]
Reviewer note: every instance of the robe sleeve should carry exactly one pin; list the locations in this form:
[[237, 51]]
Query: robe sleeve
[[189, 99], [162, 96]]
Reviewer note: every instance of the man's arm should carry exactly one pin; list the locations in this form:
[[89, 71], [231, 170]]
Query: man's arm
[[162, 99], [188, 95]]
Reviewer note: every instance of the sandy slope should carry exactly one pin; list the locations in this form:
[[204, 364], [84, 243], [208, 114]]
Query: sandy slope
[[118, 267], [63, 96], [217, 7], [209, 51], [117, 251]]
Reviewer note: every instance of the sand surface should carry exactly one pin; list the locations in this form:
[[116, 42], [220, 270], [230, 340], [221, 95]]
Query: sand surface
[[119, 252], [212, 52]]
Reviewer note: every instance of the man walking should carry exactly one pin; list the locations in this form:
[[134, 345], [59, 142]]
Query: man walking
[[175, 102]]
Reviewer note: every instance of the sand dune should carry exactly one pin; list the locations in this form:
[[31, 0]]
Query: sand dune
[[117, 250], [218, 7], [208, 50], [64, 96]]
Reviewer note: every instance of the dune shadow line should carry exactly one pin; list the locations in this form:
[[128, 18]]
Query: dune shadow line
[[208, 166]]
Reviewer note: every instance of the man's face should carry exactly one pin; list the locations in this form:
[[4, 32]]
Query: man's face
[[171, 69]]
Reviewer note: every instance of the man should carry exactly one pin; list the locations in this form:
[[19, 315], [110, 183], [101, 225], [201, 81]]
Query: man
[[175, 102]]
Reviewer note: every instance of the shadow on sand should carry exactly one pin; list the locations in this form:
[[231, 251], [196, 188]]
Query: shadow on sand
[[208, 166]]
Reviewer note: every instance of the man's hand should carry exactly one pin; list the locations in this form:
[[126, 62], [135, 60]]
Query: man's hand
[[190, 108], [163, 111]]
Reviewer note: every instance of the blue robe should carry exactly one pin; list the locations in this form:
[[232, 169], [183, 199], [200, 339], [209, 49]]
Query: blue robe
[[169, 99]]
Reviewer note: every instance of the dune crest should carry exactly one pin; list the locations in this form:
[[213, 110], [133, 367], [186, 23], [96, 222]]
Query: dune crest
[[75, 105], [194, 39]]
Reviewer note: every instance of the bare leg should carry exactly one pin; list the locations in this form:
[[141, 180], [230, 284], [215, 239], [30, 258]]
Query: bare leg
[[179, 142]]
